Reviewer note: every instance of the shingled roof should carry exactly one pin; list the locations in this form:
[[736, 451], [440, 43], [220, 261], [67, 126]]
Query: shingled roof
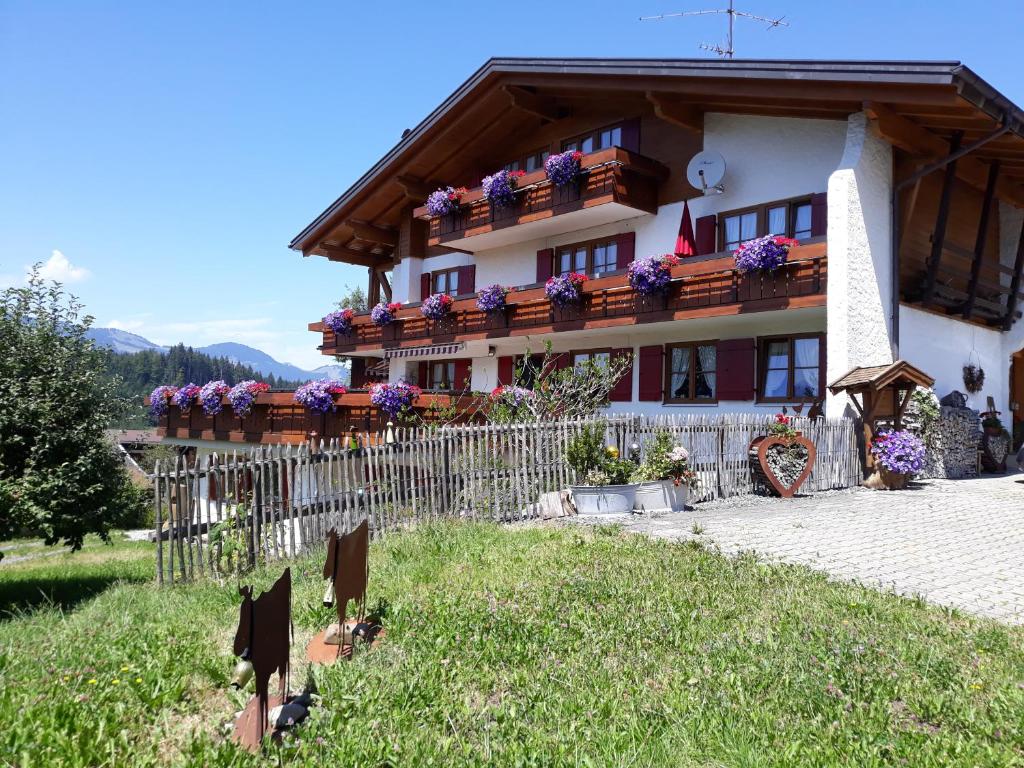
[[878, 376]]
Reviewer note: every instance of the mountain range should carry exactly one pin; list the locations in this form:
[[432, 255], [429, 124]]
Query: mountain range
[[128, 343]]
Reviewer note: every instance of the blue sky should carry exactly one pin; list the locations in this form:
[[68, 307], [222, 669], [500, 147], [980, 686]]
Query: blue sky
[[168, 152]]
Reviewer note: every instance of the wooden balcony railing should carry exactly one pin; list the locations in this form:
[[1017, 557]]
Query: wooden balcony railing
[[612, 175], [276, 419], [700, 288]]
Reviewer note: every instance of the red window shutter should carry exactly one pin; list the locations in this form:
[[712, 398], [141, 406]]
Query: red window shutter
[[822, 381], [706, 235], [506, 369], [819, 214], [462, 375], [625, 249], [736, 369], [622, 392], [545, 258], [467, 279], [563, 360], [631, 135], [652, 377], [421, 375], [424, 285]]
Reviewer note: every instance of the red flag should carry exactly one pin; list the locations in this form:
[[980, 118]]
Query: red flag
[[686, 243]]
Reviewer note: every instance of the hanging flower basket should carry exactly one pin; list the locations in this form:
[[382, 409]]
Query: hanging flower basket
[[445, 200], [158, 400], [243, 395], [974, 378], [318, 396], [185, 397], [394, 398], [210, 397], [492, 298], [563, 168], [564, 290], [765, 254], [340, 321], [436, 306], [500, 187], [384, 314], [898, 457], [652, 274]]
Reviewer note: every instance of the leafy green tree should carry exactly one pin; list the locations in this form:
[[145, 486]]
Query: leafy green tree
[[353, 298], [60, 478]]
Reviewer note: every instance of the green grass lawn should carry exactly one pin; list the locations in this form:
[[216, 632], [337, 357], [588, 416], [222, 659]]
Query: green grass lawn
[[520, 647]]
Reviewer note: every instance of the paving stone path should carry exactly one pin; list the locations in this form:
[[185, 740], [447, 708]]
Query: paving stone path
[[953, 542]]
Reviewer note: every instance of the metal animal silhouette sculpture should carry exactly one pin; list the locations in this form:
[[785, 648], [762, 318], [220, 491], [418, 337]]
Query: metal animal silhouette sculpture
[[264, 639], [347, 566]]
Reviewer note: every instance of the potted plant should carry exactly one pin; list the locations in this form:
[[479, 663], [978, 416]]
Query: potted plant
[[242, 396], [652, 274], [606, 488], [782, 458], [492, 299], [992, 424], [436, 306], [318, 396], [563, 168], [445, 200], [500, 187], [394, 398], [974, 378], [564, 290], [898, 456], [763, 254], [340, 321], [664, 477], [158, 400], [210, 397], [384, 314], [185, 397]]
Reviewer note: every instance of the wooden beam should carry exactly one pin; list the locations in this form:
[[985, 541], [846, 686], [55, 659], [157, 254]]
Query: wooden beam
[[1018, 268], [415, 189], [941, 219], [373, 290], [677, 113], [385, 285], [979, 240], [350, 256], [540, 106], [372, 233]]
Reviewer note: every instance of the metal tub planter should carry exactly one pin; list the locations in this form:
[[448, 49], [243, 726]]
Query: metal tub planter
[[604, 499], [660, 496]]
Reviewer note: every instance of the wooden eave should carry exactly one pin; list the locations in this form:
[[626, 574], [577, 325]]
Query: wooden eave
[[877, 377], [915, 105]]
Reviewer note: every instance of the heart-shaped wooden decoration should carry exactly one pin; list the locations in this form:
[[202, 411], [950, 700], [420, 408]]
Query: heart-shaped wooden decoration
[[759, 448]]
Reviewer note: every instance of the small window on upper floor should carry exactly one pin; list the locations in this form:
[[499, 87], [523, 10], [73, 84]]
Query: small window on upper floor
[[789, 218], [446, 281], [600, 356], [602, 138], [592, 258], [531, 162]]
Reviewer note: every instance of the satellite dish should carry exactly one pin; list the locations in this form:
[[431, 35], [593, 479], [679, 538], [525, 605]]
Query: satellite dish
[[705, 171]]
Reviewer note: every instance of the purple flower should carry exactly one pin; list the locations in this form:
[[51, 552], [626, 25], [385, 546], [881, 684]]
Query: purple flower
[[492, 298], [651, 274], [766, 253], [436, 306], [500, 187], [185, 397], [563, 290], [243, 395], [563, 168], [158, 400], [394, 398], [340, 321], [210, 397], [445, 200], [511, 395], [901, 452], [318, 396], [384, 314]]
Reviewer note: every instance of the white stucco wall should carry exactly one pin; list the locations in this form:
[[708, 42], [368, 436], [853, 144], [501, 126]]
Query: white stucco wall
[[859, 262]]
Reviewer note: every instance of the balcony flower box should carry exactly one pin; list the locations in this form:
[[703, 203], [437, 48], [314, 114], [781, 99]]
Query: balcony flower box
[[445, 201], [500, 188], [652, 275], [243, 395], [159, 399], [492, 299], [437, 306], [318, 396], [564, 168], [394, 398], [210, 397], [384, 314], [565, 290], [763, 254], [185, 397], [340, 321]]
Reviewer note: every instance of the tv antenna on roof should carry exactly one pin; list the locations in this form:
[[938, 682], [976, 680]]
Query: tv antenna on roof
[[727, 51]]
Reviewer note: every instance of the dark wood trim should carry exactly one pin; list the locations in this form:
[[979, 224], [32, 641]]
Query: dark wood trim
[[591, 133], [449, 271], [545, 108], [675, 112], [979, 242], [762, 367], [941, 218], [351, 256], [667, 365], [762, 217], [372, 233], [1018, 268]]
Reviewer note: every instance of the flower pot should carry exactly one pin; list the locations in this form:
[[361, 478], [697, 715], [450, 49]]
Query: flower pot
[[604, 499], [660, 495], [884, 480]]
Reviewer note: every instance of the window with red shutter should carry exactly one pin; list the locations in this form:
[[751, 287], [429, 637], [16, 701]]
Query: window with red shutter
[[506, 369], [735, 363], [424, 285], [650, 363], [626, 247], [467, 279], [545, 259], [706, 234], [462, 375], [622, 392]]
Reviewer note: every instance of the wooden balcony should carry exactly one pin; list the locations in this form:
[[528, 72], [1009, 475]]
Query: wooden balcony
[[616, 185], [701, 287], [276, 419]]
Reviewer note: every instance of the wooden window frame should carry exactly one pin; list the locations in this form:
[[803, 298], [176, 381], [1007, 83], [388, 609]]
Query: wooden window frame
[[762, 367], [761, 210], [596, 132], [521, 159], [596, 351], [590, 245], [667, 399], [449, 272], [449, 370]]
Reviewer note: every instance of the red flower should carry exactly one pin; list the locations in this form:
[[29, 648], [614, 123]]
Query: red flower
[[577, 155]]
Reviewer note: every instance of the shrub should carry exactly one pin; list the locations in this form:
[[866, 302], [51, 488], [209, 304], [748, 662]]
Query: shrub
[[585, 451]]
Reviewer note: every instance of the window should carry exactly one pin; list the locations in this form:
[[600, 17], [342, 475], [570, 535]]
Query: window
[[790, 368], [593, 258], [446, 282], [691, 373], [789, 218], [599, 356], [531, 162], [442, 375], [595, 140]]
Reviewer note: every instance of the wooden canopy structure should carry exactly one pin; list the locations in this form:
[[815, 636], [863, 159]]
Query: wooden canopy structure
[[884, 391]]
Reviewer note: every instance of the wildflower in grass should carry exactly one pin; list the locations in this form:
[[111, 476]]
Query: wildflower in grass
[[185, 397], [395, 397], [115, 681], [563, 290], [158, 400], [138, 679], [445, 200], [318, 396], [210, 397], [436, 306], [92, 681], [492, 298], [340, 321], [500, 187], [384, 314], [766, 253], [563, 168], [652, 274], [242, 396]]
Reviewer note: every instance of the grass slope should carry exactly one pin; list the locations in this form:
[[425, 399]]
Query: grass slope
[[532, 646]]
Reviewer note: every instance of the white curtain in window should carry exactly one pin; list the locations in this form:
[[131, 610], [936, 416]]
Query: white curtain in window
[[680, 373], [777, 221], [706, 362], [806, 353]]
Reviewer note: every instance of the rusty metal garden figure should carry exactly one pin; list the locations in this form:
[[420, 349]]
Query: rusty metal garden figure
[[263, 639]]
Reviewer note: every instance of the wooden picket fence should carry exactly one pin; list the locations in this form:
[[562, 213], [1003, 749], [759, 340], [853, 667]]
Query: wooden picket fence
[[223, 514]]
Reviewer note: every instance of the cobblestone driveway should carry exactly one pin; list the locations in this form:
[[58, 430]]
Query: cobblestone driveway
[[953, 542]]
